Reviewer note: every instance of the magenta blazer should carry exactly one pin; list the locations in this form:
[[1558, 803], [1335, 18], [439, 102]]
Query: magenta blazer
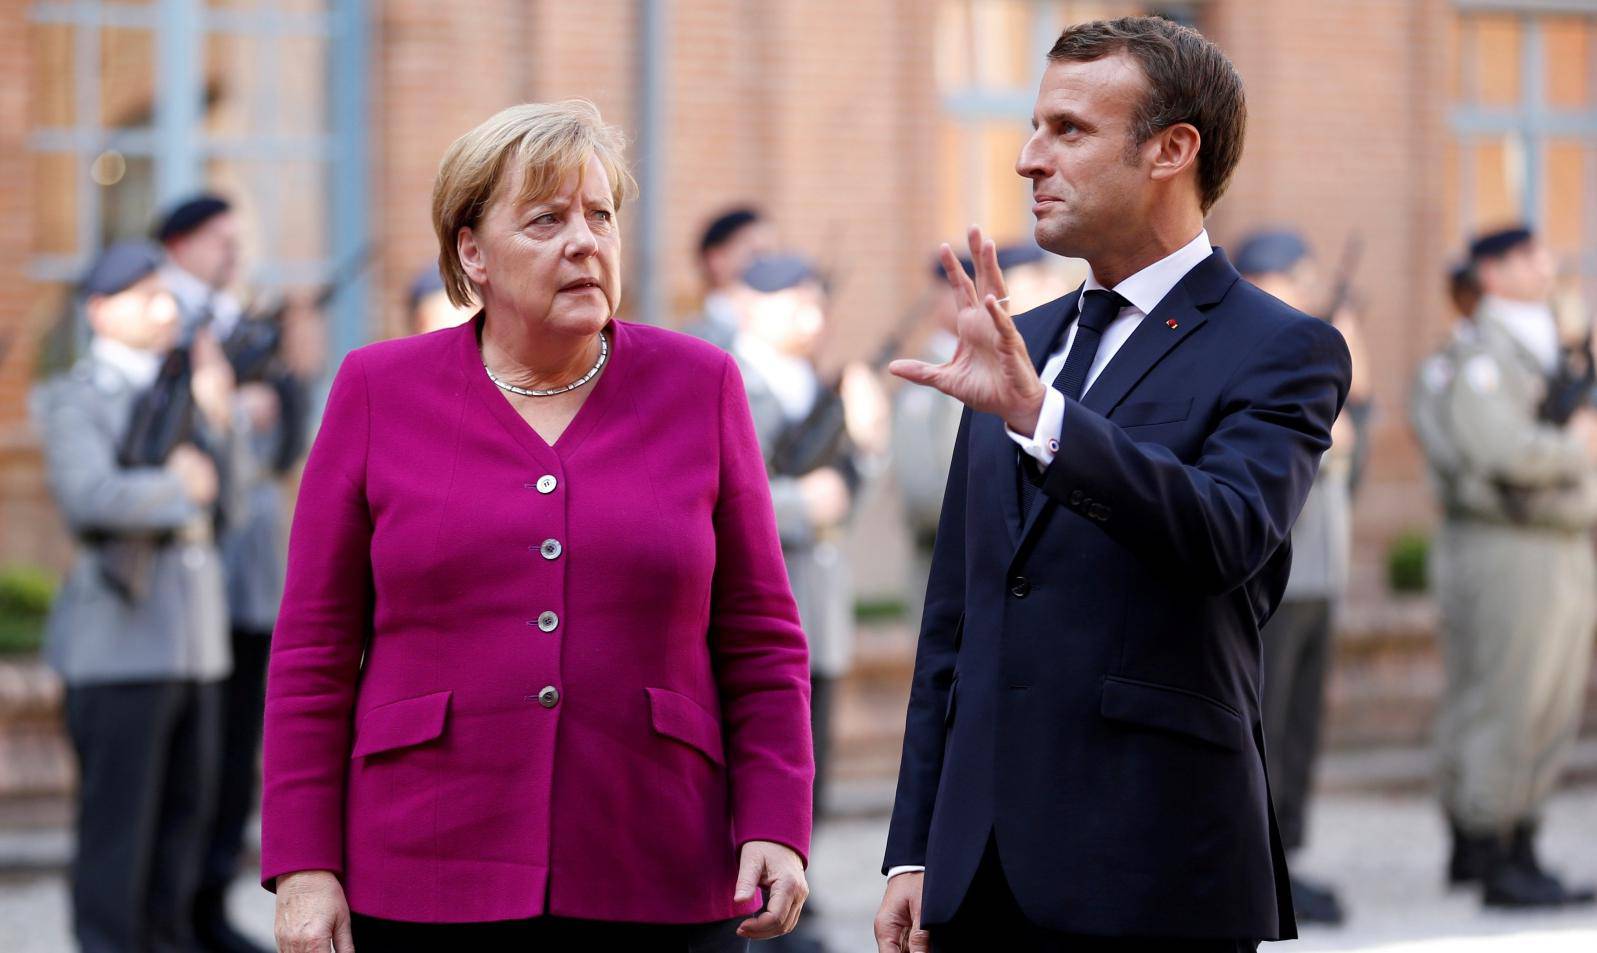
[[511, 679]]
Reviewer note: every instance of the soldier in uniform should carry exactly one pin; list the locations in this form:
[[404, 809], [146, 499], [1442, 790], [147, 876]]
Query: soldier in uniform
[[925, 423], [814, 490], [729, 245], [1514, 571], [141, 644], [1298, 638], [201, 239]]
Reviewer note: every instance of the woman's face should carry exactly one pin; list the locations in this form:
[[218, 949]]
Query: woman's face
[[554, 262]]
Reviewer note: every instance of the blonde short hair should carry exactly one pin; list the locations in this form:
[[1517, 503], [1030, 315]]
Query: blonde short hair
[[548, 141]]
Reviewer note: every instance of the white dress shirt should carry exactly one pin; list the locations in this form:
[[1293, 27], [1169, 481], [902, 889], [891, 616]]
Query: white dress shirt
[[198, 299], [141, 368], [1144, 290], [1532, 324]]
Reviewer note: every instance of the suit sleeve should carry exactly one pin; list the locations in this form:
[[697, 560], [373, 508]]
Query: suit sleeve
[[921, 764], [93, 492], [317, 644], [1216, 522], [758, 648]]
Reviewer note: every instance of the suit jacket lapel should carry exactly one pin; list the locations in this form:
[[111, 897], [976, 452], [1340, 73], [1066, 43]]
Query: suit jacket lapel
[[1187, 304]]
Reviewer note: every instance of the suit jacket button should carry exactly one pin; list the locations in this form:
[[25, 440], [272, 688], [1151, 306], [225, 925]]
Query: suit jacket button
[[547, 484], [548, 621], [549, 697], [551, 549], [1076, 497], [1019, 587]]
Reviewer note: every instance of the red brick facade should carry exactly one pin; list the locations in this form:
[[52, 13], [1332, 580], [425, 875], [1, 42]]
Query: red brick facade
[[825, 113]]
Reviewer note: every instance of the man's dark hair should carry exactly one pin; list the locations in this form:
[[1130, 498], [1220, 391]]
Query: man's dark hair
[[1189, 80], [1464, 288], [724, 227]]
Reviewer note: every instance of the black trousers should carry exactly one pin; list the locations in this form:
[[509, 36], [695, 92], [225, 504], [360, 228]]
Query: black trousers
[[374, 935], [1297, 661], [147, 759], [239, 720], [990, 919], [823, 700]]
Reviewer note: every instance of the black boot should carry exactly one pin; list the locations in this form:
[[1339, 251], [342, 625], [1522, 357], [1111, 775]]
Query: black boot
[[1316, 903], [1468, 862], [212, 931], [1523, 850], [1515, 881]]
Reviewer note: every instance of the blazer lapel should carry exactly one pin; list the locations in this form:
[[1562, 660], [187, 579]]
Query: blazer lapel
[[1187, 305]]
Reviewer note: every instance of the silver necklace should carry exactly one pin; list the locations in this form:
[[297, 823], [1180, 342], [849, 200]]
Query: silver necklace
[[604, 355]]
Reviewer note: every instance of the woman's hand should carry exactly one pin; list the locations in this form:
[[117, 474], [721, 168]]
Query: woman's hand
[[781, 872], [312, 914]]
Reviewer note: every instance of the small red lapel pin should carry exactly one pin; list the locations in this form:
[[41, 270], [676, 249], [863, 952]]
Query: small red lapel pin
[[1171, 324]]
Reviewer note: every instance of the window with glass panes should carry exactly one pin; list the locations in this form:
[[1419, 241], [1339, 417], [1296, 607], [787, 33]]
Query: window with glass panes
[[990, 56], [1524, 121], [139, 103]]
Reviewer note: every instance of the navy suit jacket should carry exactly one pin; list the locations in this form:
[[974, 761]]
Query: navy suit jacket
[[1086, 687]]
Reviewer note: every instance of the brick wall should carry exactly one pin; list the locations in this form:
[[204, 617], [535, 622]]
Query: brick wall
[[824, 113], [1346, 134]]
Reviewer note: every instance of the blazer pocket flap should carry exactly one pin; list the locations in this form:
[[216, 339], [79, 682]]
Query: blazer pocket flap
[[1149, 412], [677, 716], [1172, 709], [409, 721]]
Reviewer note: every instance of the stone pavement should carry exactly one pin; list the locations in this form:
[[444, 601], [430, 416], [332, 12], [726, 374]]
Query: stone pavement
[[1384, 851]]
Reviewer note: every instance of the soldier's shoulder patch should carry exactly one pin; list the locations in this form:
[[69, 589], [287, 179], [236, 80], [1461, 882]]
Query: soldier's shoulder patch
[[1482, 374]]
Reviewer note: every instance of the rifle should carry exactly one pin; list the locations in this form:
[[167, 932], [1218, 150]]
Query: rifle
[[1571, 384], [822, 436], [163, 417], [253, 346], [1342, 287]]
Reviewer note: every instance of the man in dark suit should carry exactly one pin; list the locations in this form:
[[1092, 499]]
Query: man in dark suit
[[1083, 765]]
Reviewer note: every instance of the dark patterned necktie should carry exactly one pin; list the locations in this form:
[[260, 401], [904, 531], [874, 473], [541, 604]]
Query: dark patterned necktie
[[1099, 309]]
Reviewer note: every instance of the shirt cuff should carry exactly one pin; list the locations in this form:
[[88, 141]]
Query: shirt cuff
[[1044, 441], [911, 869]]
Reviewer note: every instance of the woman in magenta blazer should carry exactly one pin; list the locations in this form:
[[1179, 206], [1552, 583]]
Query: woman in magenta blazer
[[538, 681]]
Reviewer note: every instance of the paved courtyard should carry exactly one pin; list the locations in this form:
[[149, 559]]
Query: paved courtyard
[[1384, 852]]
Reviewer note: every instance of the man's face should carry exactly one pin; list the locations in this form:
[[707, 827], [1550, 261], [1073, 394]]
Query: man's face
[[1090, 183], [790, 321], [726, 263], [210, 252], [1527, 273], [143, 317]]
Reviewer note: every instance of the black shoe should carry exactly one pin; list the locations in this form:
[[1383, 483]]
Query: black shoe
[[1523, 851], [212, 932], [1515, 881], [1468, 862], [1316, 904]]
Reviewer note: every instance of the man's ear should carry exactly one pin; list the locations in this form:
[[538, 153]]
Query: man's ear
[[94, 313], [471, 256], [1175, 150]]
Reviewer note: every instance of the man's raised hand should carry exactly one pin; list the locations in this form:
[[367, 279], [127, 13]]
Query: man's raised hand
[[991, 371]]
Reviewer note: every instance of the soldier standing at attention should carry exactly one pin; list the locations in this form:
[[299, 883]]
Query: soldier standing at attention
[[1514, 571], [143, 648]]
